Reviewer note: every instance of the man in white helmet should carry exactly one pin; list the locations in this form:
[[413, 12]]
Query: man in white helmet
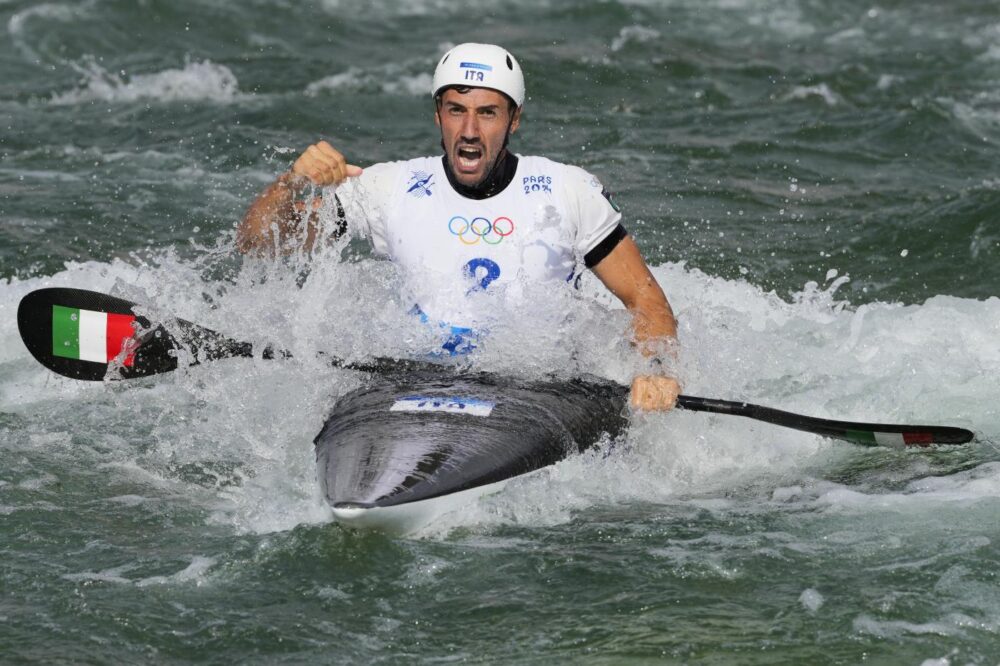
[[476, 218]]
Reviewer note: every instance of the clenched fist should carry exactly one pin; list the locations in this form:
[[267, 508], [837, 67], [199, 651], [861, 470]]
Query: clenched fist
[[654, 393], [322, 164]]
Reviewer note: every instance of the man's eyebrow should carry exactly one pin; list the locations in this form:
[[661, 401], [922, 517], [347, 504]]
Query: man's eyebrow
[[458, 105]]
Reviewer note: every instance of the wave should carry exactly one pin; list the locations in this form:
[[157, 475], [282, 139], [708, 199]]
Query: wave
[[194, 573], [17, 25], [48, 11], [390, 79], [203, 81], [392, 8], [820, 90], [633, 34]]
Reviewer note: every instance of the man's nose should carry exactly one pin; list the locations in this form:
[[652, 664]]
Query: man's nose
[[470, 127]]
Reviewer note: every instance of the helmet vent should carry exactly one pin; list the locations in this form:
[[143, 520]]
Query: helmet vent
[[445, 58], [510, 65]]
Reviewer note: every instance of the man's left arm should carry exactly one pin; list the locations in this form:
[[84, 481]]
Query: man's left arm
[[625, 273]]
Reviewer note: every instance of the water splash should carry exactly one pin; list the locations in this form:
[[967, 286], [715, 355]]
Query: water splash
[[202, 81], [240, 430]]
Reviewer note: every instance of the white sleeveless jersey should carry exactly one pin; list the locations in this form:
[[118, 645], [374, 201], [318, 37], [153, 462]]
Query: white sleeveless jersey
[[450, 248]]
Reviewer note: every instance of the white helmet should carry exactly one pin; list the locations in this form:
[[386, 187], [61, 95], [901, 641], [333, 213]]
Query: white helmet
[[480, 66]]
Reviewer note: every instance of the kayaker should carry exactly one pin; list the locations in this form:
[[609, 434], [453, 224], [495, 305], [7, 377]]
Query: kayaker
[[477, 217]]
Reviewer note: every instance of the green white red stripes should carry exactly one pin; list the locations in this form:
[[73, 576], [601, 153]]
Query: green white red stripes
[[892, 440], [86, 335]]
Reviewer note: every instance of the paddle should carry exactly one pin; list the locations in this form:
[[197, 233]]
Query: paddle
[[79, 334]]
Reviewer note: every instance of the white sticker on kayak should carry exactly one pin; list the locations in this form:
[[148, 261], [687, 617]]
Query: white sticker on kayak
[[450, 404]]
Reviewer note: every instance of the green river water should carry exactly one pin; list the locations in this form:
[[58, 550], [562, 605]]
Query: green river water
[[815, 186]]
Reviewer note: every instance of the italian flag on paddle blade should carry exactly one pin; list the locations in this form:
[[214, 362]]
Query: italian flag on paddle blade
[[86, 335]]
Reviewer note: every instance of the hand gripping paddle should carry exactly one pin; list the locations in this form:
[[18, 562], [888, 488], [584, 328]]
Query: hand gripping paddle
[[80, 334]]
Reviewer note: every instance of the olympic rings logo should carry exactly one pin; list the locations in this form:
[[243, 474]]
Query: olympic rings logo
[[480, 228]]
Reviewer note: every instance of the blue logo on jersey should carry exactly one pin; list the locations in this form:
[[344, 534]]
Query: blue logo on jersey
[[481, 271], [541, 183], [420, 184]]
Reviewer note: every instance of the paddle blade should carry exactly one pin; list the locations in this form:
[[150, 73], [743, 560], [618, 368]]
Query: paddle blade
[[867, 434], [80, 334], [900, 436]]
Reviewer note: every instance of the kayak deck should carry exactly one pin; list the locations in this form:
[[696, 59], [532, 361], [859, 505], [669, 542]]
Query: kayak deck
[[395, 455]]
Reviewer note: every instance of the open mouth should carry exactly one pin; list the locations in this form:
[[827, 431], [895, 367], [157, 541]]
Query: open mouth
[[469, 157]]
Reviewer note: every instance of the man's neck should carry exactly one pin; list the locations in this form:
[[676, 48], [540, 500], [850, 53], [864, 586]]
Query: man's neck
[[496, 180]]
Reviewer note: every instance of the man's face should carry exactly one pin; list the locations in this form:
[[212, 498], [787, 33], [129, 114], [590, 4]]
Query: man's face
[[473, 127]]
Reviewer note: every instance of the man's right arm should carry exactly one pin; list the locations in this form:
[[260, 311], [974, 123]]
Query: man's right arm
[[274, 220]]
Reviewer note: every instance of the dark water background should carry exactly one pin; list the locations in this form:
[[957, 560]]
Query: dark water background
[[762, 151]]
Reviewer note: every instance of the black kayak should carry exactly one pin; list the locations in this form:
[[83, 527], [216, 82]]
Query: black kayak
[[397, 454]]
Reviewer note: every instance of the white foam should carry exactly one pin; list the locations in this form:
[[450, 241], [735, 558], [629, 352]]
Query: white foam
[[18, 23], [787, 494], [194, 572], [854, 34], [811, 600], [783, 18], [45, 11], [332, 594], [637, 34], [886, 81], [113, 575], [812, 354], [440, 9], [129, 500], [978, 115], [969, 487], [38, 483], [821, 90], [898, 628], [203, 81], [390, 79]]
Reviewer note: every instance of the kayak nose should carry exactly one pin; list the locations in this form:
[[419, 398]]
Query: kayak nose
[[346, 512], [398, 520]]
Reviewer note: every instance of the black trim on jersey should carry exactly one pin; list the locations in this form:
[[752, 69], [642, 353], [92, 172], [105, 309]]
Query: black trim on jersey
[[605, 247], [494, 183]]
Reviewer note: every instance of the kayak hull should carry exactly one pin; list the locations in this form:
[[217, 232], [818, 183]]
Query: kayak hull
[[396, 455]]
